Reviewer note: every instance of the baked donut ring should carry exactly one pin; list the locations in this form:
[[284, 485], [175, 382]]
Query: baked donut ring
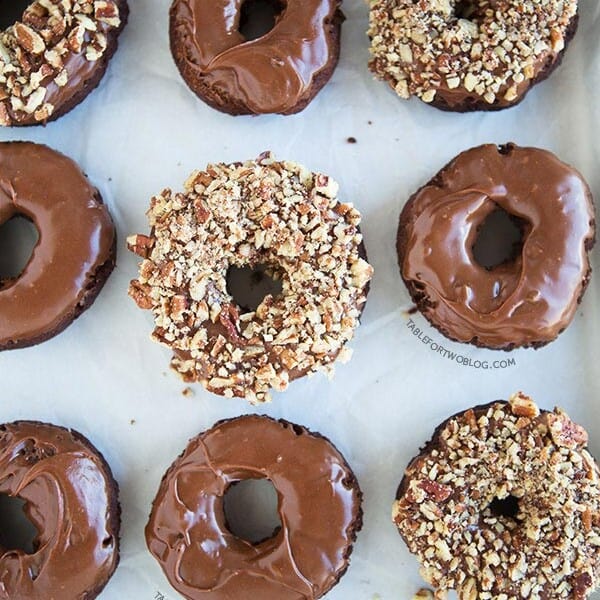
[[72, 500], [75, 252], [261, 212], [504, 502], [55, 56], [279, 72], [526, 301], [464, 55], [319, 509]]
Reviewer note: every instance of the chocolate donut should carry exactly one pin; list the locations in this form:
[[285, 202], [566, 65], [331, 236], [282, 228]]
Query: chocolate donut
[[72, 500], [55, 56], [504, 502], [261, 212], [319, 508], [465, 55], [279, 72], [526, 301], [75, 253]]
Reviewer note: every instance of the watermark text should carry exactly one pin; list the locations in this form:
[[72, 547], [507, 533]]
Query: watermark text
[[461, 359]]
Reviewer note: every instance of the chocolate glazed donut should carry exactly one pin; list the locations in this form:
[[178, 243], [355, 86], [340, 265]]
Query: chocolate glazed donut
[[319, 509], [71, 499], [279, 72], [526, 301], [75, 253]]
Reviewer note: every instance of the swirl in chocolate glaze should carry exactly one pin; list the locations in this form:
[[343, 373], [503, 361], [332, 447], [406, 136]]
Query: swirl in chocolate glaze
[[71, 499], [319, 508], [524, 302], [276, 73], [75, 251]]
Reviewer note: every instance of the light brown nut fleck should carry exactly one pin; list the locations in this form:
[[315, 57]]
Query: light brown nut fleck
[[28, 39], [437, 491], [140, 244], [107, 12], [423, 594], [523, 406], [140, 294], [565, 433]]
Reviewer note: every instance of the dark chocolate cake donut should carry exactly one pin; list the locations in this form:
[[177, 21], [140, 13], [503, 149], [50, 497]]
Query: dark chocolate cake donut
[[262, 212], [465, 55], [504, 502], [524, 301], [54, 56], [279, 72], [319, 508], [76, 250], [72, 500]]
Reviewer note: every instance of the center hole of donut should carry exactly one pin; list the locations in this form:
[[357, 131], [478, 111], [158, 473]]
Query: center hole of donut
[[18, 237], [258, 17], [499, 239], [506, 507], [251, 510], [250, 286], [12, 11], [464, 9], [17, 532]]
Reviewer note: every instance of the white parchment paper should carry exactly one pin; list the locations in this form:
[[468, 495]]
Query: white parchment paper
[[143, 130]]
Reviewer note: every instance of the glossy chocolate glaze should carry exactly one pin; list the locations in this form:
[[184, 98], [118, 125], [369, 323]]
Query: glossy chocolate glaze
[[71, 500], [76, 239], [528, 301], [271, 74], [319, 508]]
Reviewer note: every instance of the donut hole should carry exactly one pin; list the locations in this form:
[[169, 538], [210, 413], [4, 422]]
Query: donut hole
[[18, 238], [17, 532], [250, 286], [12, 12], [258, 17], [251, 510], [499, 239], [465, 9], [504, 508]]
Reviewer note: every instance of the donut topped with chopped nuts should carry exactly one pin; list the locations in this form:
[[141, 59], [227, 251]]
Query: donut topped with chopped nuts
[[504, 502], [262, 212], [464, 55], [54, 56]]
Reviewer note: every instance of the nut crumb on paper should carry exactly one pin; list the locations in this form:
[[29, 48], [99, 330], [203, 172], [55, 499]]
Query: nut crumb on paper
[[188, 392]]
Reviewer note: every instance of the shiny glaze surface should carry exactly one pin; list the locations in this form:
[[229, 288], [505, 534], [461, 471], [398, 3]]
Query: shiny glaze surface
[[319, 508], [70, 502], [76, 236], [525, 301], [270, 74]]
